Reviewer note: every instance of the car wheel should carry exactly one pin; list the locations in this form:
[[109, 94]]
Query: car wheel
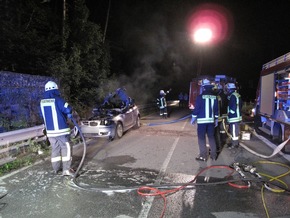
[[119, 130], [137, 123]]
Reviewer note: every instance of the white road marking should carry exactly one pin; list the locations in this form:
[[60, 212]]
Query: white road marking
[[149, 200]]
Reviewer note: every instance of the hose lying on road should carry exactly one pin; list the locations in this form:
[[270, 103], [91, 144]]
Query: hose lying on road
[[276, 150], [169, 122]]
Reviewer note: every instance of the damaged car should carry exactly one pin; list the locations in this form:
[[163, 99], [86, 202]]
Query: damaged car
[[113, 118]]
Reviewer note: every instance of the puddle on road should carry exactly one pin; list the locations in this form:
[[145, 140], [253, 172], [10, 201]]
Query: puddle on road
[[119, 160], [110, 172], [117, 176]]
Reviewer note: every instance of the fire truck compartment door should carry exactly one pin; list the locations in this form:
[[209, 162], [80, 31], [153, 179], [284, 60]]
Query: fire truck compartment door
[[267, 94]]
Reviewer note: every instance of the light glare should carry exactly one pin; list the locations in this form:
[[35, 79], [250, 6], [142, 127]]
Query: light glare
[[203, 35]]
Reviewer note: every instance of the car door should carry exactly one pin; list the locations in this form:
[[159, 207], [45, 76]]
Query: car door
[[128, 119]]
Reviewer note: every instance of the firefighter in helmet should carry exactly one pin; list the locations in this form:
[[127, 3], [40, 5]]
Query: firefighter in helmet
[[234, 117], [205, 114], [162, 104], [55, 111]]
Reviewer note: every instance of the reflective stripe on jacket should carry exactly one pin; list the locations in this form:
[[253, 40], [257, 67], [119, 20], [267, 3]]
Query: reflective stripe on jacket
[[162, 102], [234, 108], [206, 108], [54, 111]]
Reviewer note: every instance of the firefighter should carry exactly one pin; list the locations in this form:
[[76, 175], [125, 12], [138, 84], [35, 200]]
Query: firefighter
[[185, 100], [234, 116], [161, 102], [180, 98], [220, 130], [205, 114], [55, 112]]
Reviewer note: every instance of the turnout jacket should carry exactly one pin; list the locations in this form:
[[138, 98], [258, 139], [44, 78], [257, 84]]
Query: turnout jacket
[[234, 107], [54, 111], [161, 102], [206, 107]]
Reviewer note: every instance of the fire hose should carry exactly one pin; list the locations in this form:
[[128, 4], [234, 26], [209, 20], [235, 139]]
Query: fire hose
[[276, 150], [169, 122], [172, 188], [85, 148]]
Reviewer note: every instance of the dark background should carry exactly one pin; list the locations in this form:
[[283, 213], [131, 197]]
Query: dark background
[[150, 41]]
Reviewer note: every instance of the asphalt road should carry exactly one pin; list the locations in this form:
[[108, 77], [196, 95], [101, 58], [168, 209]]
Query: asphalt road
[[156, 155]]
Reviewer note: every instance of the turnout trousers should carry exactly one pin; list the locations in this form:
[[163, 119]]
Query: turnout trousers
[[163, 112], [60, 152], [203, 130], [235, 133]]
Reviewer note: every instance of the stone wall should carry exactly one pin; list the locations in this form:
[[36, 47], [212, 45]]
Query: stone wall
[[20, 95]]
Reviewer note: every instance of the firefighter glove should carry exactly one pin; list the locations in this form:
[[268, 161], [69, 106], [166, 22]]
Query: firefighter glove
[[193, 120], [216, 123]]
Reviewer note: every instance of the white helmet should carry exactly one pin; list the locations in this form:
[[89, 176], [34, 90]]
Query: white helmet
[[205, 82], [50, 85], [231, 86], [162, 92]]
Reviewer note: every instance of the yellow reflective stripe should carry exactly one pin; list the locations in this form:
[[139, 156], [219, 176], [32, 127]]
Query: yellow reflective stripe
[[235, 138], [235, 119], [212, 111], [207, 107], [54, 133], [205, 120], [66, 105], [56, 159], [68, 153]]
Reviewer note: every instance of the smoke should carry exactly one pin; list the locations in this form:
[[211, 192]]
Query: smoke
[[157, 51], [156, 61]]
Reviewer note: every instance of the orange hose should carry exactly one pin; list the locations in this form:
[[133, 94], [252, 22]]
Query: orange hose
[[156, 192]]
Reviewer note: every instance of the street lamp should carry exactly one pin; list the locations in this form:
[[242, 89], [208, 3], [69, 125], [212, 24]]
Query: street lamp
[[209, 24]]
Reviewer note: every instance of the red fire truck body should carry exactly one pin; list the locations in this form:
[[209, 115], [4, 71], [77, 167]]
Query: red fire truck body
[[195, 86]]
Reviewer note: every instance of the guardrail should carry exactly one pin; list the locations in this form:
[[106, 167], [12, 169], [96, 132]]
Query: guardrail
[[10, 137], [13, 140]]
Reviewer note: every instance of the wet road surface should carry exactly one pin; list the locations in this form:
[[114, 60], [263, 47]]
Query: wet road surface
[[161, 156]]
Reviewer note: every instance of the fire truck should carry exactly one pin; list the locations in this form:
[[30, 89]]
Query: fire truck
[[272, 110], [195, 87]]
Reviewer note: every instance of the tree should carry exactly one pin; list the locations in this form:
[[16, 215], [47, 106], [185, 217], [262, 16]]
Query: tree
[[55, 38], [84, 64], [29, 37]]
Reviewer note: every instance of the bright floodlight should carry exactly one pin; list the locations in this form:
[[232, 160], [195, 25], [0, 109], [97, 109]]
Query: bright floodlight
[[203, 35]]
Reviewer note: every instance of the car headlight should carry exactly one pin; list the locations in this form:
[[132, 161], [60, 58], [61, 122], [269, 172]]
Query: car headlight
[[106, 122]]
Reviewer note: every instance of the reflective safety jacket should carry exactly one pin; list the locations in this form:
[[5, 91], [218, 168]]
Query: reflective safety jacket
[[206, 107], [54, 111], [234, 107], [161, 102]]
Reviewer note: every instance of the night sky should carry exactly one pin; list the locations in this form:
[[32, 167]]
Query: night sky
[[152, 47]]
